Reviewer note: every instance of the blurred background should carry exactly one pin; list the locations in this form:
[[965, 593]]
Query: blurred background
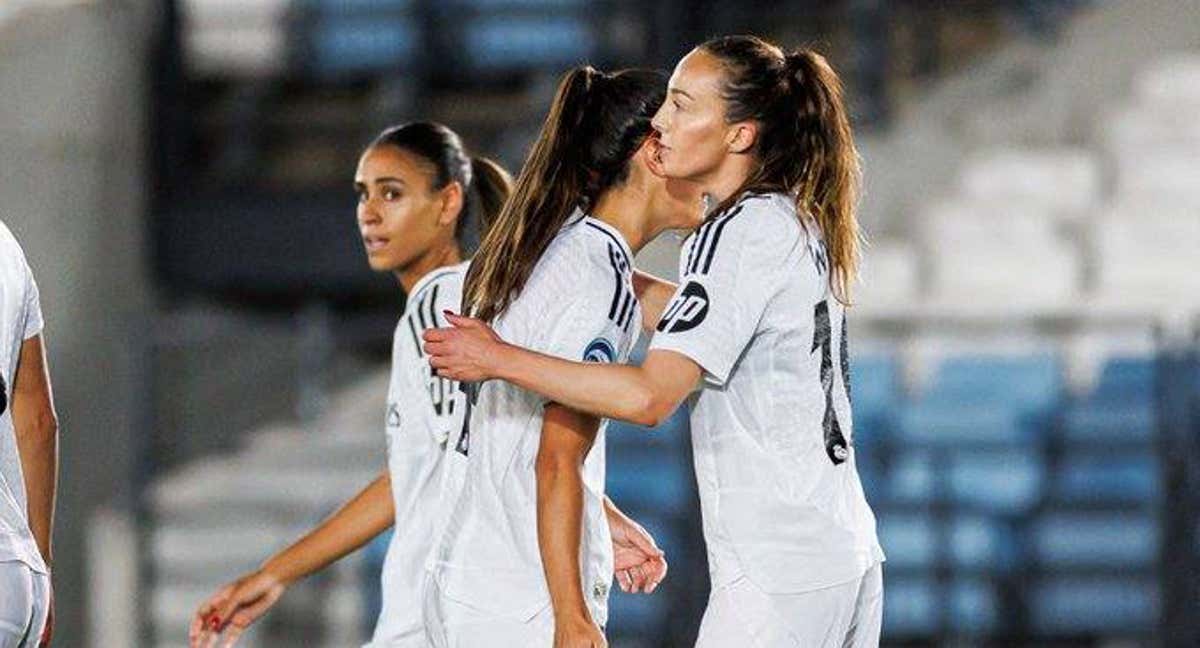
[[1026, 364]]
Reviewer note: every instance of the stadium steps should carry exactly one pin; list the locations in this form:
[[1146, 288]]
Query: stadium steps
[[220, 516]]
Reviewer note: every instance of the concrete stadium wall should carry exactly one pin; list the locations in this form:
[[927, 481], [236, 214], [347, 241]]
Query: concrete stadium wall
[[72, 144]]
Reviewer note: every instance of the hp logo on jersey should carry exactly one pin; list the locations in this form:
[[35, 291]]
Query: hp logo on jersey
[[686, 310], [599, 350]]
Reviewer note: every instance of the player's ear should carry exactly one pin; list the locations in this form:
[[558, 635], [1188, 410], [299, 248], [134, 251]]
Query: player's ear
[[649, 153], [740, 137], [452, 203]]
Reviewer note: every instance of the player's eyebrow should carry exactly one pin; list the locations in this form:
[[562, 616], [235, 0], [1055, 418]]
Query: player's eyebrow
[[681, 92], [388, 179]]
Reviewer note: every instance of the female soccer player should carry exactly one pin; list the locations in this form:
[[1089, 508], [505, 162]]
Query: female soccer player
[[414, 186], [525, 558], [28, 457], [760, 320]]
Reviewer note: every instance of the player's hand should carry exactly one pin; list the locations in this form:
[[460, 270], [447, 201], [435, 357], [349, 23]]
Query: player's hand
[[638, 564], [578, 632], [48, 631], [226, 615], [464, 352]]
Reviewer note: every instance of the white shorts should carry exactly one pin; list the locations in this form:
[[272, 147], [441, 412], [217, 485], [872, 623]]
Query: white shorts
[[24, 605], [843, 616], [452, 624]]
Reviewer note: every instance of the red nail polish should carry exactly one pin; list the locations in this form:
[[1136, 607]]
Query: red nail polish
[[214, 621]]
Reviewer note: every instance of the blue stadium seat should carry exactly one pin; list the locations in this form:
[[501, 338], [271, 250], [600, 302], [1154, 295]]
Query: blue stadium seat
[[372, 565], [1007, 482], [909, 540], [650, 481], [974, 606], [504, 42], [493, 5], [636, 614], [911, 607], [1098, 540], [1108, 479], [669, 436], [364, 8], [874, 385], [362, 44], [912, 478], [1103, 419], [1093, 605], [978, 542], [1030, 383], [872, 478], [944, 422], [1127, 377]]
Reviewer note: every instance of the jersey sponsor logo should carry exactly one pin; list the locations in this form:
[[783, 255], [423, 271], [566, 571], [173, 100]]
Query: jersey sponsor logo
[[686, 311], [600, 350]]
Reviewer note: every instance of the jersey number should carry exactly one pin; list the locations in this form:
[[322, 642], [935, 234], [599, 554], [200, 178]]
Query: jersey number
[[835, 444], [464, 440]]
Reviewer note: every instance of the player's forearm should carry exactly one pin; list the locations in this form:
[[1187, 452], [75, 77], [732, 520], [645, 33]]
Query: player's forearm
[[653, 293], [35, 425], [353, 525], [613, 391], [560, 524], [37, 444]]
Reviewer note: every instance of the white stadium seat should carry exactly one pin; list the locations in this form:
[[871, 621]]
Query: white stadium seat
[[888, 277], [1159, 174], [1173, 81], [1148, 259], [1060, 179]]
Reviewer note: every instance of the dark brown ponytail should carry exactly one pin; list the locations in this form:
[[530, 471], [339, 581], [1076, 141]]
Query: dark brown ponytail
[[595, 124], [805, 146]]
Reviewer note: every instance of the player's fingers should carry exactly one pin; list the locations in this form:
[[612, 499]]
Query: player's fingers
[[232, 633], [436, 334], [642, 579], [209, 625], [660, 573], [458, 320], [202, 620], [213, 638]]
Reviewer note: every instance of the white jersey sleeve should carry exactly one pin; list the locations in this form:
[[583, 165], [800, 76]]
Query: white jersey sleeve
[[33, 306], [595, 323], [728, 272]]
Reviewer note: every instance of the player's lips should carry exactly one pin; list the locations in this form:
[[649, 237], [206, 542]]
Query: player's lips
[[374, 243]]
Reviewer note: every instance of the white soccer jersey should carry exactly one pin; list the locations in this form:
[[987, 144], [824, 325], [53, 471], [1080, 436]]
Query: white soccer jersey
[[424, 419], [578, 304], [20, 319], [772, 432]]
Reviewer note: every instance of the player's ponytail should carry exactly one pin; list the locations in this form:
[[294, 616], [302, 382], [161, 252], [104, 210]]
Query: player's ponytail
[[805, 146], [491, 185], [595, 124], [485, 184]]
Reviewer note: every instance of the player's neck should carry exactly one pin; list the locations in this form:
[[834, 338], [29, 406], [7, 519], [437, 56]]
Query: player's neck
[[438, 257], [728, 177], [625, 209]]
